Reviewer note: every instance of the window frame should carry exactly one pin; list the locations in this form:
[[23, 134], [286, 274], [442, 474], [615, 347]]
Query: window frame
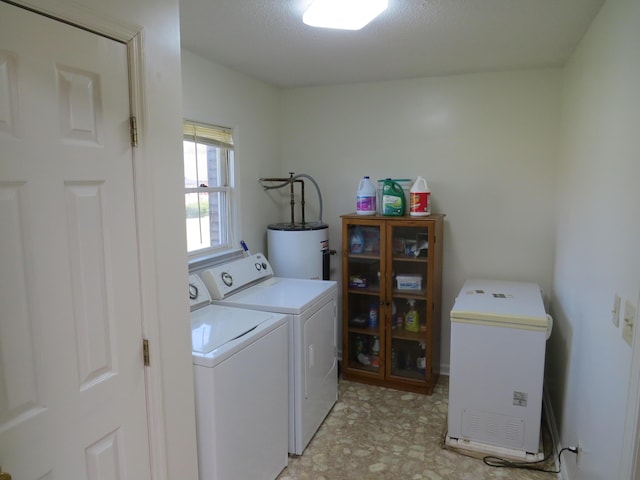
[[222, 138]]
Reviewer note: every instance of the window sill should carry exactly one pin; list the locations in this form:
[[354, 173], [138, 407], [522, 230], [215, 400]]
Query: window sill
[[208, 261]]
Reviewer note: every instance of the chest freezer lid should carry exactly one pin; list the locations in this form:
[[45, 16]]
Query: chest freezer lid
[[501, 303]]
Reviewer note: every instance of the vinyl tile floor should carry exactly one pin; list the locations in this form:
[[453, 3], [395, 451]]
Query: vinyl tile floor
[[376, 433]]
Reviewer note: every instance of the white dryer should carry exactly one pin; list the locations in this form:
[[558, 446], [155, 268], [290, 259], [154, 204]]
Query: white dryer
[[312, 306], [240, 362]]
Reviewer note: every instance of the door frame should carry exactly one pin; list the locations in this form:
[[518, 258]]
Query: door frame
[[630, 457], [131, 35]]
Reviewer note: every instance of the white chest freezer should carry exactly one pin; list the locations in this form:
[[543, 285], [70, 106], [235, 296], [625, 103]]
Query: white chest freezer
[[498, 336]]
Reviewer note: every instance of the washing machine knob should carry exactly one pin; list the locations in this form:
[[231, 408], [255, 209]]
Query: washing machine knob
[[227, 279]]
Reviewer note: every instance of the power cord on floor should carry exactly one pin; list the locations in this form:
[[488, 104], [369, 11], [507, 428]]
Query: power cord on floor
[[498, 462], [504, 463]]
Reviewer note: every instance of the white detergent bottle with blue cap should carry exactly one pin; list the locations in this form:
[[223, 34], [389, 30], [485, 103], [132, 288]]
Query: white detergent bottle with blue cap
[[366, 197]]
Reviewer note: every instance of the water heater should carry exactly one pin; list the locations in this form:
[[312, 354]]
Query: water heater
[[299, 250]]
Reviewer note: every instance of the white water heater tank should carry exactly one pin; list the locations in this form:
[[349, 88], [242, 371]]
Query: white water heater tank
[[299, 250]]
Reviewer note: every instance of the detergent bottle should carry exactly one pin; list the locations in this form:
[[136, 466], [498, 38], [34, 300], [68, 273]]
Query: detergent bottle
[[392, 198], [375, 352], [411, 319], [366, 198], [356, 241], [421, 360], [420, 198]]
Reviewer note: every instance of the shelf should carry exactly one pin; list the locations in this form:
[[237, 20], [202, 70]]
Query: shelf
[[402, 334], [364, 291], [408, 373], [416, 294], [359, 366], [365, 331], [410, 259], [363, 256]]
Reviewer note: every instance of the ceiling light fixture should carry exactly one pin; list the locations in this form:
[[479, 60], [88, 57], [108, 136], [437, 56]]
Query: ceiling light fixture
[[343, 14]]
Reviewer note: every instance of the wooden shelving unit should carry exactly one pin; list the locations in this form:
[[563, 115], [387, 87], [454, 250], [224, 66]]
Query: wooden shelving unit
[[377, 251]]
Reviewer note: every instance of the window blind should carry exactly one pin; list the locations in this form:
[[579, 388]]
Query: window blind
[[208, 134]]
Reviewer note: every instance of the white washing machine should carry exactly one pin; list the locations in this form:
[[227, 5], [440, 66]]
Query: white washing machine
[[312, 306], [240, 362]]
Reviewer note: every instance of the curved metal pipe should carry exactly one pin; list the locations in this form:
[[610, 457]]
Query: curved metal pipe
[[290, 181], [315, 184]]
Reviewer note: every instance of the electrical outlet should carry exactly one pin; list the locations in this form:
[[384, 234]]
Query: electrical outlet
[[615, 313], [628, 321]]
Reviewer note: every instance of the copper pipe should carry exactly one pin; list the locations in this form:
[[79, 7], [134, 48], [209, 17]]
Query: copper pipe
[[290, 181]]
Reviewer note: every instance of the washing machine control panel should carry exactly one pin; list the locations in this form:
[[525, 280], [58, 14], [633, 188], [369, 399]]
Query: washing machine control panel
[[198, 293], [228, 278]]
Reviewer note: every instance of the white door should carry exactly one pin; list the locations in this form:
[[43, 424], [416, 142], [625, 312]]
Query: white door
[[72, 396]]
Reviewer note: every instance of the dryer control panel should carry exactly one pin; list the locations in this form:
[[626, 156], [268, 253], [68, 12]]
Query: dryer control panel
[[228, 278]]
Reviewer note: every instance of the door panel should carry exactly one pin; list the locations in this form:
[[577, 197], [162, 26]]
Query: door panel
[[72, 395]]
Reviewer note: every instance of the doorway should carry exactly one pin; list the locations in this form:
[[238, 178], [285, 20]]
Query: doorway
[[73, 401]]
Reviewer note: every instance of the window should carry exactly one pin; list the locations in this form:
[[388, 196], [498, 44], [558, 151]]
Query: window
[[208, 166]]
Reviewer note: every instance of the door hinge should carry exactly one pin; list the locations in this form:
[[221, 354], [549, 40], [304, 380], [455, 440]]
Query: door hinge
[[134, 131], [145, 351]]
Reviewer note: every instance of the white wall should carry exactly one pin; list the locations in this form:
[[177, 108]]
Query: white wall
[[487, 145], [214, 94], [598, 239]]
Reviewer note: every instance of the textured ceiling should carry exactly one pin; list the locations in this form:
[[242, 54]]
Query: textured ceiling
[[266, 39]]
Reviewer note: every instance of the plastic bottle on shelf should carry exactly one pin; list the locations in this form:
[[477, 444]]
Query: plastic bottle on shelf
[[423, 324], [360, 355], [421, 361], [412, 319], [392, 198], [394, 320], [399, 319], [373, 315], [420, 198], [366, 197], [375, 351], [357, 241]]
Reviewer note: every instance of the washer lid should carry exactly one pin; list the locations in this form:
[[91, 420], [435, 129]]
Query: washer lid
[[214, 325]]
